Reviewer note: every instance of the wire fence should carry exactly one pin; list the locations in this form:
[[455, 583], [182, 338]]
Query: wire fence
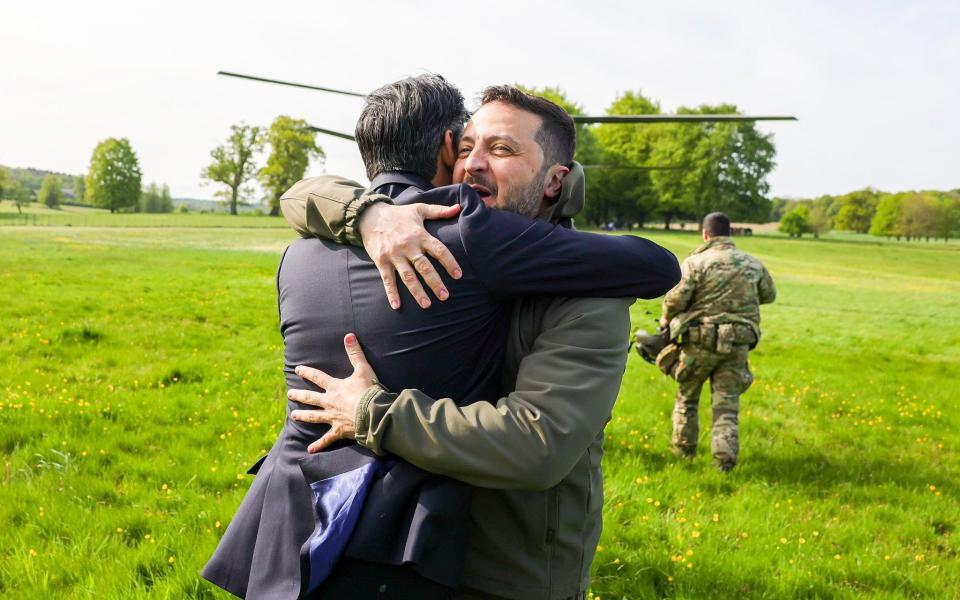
[[81, 219]]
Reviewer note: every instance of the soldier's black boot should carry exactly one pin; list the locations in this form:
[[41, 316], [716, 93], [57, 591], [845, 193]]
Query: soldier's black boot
[[724, 463]]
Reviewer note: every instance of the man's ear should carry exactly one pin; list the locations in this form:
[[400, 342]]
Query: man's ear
[[448, 154], [446, 158], [555, 178]]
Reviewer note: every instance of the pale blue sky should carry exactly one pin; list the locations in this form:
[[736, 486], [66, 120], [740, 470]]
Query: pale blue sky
[[876, 85]]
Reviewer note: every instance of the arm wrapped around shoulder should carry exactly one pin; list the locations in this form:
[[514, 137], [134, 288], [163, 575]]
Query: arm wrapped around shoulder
[[328, 207], [532, 438]]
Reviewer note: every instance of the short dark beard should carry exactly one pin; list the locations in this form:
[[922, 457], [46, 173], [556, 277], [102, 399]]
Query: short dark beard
[[526, 201]]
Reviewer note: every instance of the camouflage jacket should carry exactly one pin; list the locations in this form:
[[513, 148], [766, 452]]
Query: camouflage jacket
[[720, 284]]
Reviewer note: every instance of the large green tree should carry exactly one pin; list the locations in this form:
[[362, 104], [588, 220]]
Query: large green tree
[[919, 216], [51, 191], [292, 146], [113, 179], [857, 210], [233, 162], [886, 219], [621, 187], [796, 222], [716, 167]]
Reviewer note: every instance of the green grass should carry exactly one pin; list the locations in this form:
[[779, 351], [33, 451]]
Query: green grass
[[140, 376]]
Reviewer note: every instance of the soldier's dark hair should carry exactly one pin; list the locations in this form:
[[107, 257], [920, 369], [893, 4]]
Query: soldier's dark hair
[[402, 125], [716, 223], [557, 135]]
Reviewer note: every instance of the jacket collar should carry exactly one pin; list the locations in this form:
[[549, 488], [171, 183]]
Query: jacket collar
[[720, 241], [400, 178], [571, 199]]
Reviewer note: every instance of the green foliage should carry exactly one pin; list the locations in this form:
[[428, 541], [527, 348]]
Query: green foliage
[[156, 200], [51, 192], [29, 179], [780, 207], [113, 179], [856, 210], [129, 414], [292, 146], [919, 216], [637, 172], [620, 186], [887, 218], [818, 216], [796, 222], [724, 168], [233, 163], [948, 225], [20, 194], [4, 178], [79, 187], [821, 219]]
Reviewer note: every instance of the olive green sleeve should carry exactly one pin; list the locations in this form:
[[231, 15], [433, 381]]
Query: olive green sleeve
[[532, 438], [328, 207], [678, 299], [766, 290]]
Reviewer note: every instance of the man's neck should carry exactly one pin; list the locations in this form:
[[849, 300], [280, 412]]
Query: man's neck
[[443, 177]]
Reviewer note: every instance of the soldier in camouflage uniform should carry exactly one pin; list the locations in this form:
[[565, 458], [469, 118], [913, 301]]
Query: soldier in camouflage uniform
[[714, 314]]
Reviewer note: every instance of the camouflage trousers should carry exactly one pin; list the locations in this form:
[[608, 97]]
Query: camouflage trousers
[[729, 376]]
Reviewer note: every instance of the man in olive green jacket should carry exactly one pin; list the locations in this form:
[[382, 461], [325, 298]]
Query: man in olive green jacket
[[533, 455]]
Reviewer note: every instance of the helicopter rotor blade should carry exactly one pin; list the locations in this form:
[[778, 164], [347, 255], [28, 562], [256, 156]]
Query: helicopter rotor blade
[[677, 118], [345, 136], [635, 168], [290, 83]]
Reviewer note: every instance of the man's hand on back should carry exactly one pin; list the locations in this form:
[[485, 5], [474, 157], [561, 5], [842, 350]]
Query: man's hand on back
[[338, 402], [396, 240]]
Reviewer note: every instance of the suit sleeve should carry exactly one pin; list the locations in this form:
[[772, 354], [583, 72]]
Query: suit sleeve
[[518, 256], [767, 291], [531, 439], [327, 207]]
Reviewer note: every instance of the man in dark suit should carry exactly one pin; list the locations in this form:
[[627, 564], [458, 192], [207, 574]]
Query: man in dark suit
[[399, 528]]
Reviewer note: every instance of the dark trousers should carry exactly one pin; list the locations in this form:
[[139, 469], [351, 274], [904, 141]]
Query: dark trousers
[[361, 580]]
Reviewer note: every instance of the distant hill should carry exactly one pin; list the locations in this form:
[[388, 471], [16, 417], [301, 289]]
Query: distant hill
[[32, 178]]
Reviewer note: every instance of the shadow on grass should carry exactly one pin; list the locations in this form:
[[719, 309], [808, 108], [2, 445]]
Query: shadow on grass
[[814, 472]]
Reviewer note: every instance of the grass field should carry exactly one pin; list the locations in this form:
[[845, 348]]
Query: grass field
[[140, 376]]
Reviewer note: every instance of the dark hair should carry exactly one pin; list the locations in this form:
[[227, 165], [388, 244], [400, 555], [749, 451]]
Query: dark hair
[[716, 223], [557, 136], [402, 125]]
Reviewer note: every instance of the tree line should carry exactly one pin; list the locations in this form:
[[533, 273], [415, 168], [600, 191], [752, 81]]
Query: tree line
[[636, 173], [908, 215], [641, 173], [114, 179]]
